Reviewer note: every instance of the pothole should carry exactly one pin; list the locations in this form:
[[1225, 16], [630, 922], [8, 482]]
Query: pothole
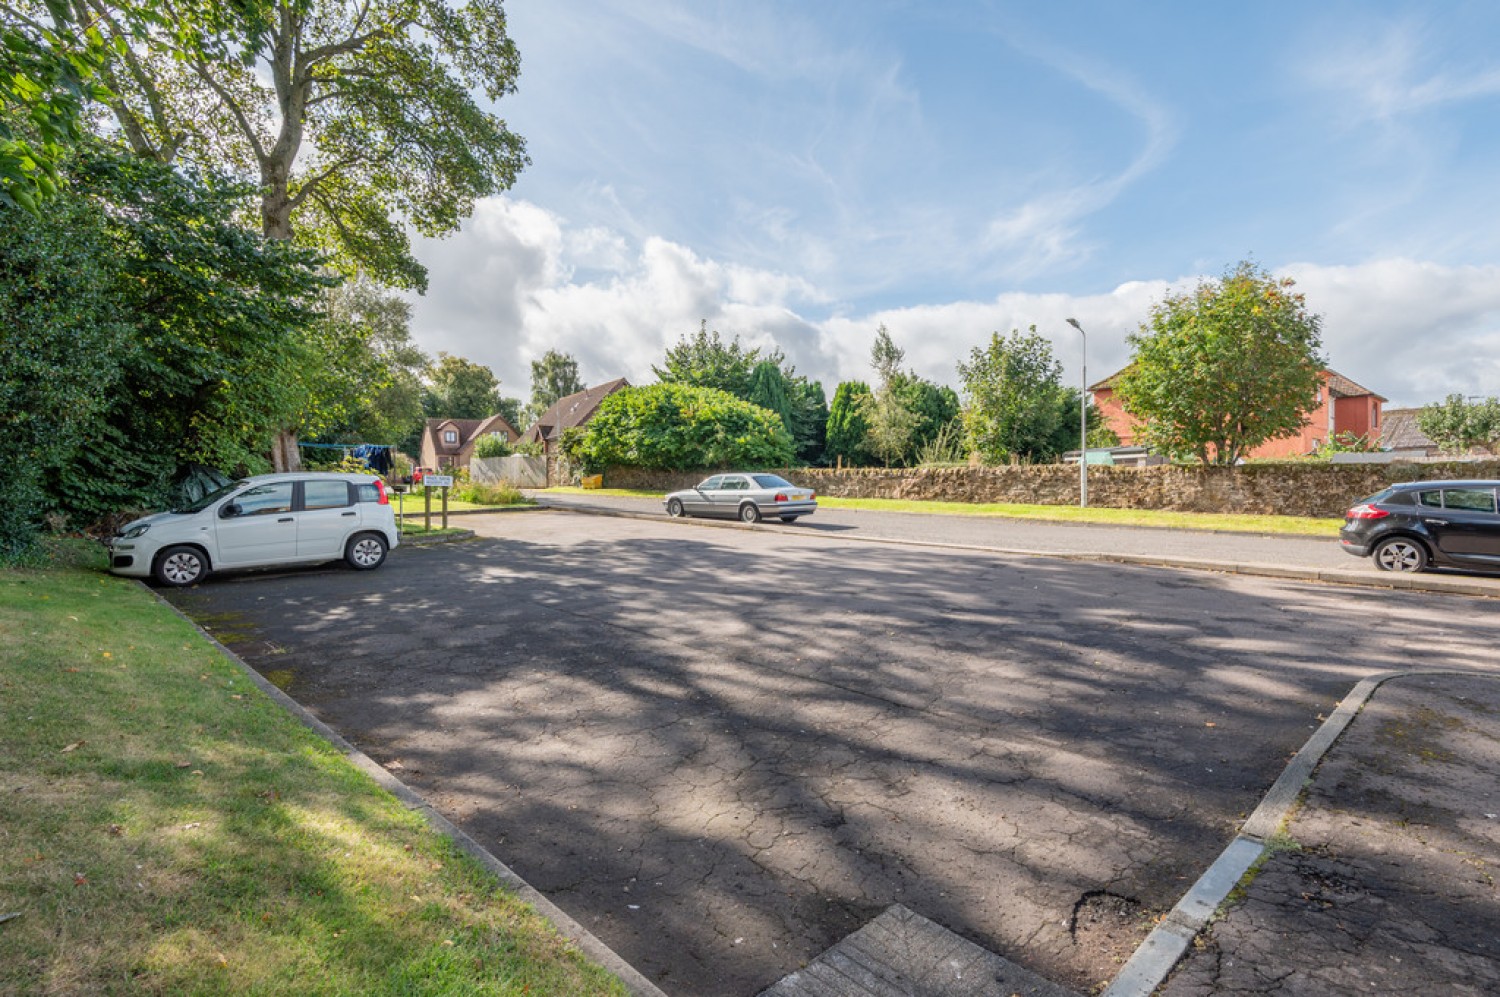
[[1106, 929]]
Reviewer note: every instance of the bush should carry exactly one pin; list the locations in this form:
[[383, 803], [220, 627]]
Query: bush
[[493, 445], [487, 494], [676, 427]]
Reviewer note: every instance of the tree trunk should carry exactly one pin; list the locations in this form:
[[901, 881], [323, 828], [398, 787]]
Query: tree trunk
[[284, 453]]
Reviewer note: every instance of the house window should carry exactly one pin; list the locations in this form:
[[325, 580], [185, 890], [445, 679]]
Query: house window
[[450, 436]]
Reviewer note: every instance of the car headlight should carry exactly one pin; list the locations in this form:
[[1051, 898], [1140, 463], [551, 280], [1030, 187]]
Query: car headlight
[[135, 531]]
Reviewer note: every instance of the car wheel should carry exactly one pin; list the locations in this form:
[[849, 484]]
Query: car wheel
[[179, 566], [788, 519], [1400, 554], [674, 509], [365, 552], [749, 513]]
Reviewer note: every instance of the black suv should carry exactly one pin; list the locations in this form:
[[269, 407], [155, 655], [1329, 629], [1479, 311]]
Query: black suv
[[1451, 524]]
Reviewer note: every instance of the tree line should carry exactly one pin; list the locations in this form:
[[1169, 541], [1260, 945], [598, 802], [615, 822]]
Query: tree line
[[204, 217], [1215, 372]]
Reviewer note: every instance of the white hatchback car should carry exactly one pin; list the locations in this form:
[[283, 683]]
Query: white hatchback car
[[269, 519]]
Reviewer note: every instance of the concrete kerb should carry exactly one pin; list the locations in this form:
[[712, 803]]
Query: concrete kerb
[[570, 929], [428, 541], [1148, 967], [1383, 580]]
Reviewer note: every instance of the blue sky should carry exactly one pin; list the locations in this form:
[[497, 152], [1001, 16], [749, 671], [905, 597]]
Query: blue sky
[[800, 173]]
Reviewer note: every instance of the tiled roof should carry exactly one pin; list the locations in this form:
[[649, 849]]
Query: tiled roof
[[1341, 387], [464, 427], [1399, 430], [572, 410]]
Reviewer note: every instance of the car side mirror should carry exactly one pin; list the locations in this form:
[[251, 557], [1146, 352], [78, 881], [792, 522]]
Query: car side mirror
[[230, 511]]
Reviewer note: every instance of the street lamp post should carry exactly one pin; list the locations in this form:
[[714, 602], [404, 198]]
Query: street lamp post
[[1083, 421]]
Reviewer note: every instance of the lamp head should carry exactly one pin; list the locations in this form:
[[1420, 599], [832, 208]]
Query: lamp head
[[1074, 323]]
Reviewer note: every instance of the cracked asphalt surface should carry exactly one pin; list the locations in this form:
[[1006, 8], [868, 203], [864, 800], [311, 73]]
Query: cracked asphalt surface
[[1386, 882], [724, 750]]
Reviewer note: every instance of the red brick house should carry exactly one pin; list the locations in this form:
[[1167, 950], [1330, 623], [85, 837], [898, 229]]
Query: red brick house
[[450, 442], [1342, 407]]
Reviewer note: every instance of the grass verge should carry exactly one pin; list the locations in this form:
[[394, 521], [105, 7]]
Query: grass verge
[[411, 506], [165, 828], [1286, 525], [414, 528]]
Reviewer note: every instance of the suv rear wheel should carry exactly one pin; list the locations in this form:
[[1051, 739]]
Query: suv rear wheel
[[1400, 554]]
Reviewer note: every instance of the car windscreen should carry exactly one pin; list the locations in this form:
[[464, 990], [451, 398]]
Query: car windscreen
[[210, 498], [772, 481]]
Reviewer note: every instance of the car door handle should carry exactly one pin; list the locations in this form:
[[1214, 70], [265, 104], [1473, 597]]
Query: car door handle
[[348, 514], [284, 519], [1436, 522]]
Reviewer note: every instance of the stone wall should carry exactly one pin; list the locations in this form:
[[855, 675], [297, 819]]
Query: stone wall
[[1302, 488]]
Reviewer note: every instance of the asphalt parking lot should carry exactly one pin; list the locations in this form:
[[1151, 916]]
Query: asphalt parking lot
[[724, 750]]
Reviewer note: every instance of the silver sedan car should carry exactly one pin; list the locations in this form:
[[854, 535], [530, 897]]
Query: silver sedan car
[[747, 497]]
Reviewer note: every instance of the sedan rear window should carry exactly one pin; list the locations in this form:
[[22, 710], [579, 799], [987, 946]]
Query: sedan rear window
[[772, 481]]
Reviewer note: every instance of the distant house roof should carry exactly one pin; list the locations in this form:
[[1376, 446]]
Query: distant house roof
[[573, 410], [1341, 387], [1399, 431], [1338, 385], [465, 432]]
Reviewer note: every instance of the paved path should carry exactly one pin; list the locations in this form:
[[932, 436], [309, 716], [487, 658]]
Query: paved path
[[1385, 878]]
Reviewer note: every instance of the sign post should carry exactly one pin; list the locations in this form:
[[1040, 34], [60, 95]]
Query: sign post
[[429, 482]]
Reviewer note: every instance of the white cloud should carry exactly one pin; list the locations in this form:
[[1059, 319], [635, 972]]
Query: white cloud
[[519, 281], [1410, 330]]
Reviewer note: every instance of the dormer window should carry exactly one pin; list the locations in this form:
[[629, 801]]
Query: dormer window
[[450, 436]]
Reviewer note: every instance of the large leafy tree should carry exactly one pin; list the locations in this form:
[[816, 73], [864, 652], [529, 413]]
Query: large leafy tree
[[681, 427], [1014, 398], [462, 389], [1223, 368], [768, 388], [1458, 425], [50, 64], [904, 412], [1065, 437], [62, 333], [809, 418], [148, 331], [935, 406], [356, 119], [848, 428], [384, 390], [705, 360], [554, 376], [892, 427]]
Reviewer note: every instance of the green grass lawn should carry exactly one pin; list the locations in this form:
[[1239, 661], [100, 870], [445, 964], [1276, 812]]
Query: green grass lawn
[[1290, 525], [166, 828], [412, 505]]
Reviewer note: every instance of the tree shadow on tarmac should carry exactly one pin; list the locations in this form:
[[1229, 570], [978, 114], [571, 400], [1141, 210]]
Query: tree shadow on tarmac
[[723, 753]]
